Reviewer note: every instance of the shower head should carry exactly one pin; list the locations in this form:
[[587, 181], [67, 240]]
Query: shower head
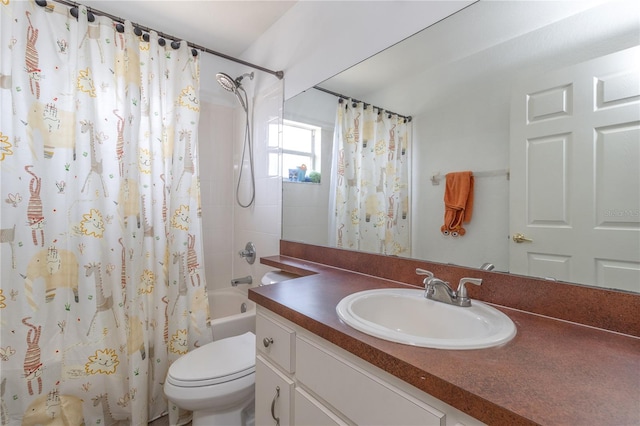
[[234, 86], [228, 83]]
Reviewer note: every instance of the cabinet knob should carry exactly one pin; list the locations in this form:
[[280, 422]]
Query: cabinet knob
[[267, 341]]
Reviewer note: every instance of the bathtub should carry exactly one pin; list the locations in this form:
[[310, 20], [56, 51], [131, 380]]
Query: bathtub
[[227, 317]]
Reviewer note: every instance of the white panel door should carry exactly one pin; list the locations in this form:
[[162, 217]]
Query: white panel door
[[575, 173]]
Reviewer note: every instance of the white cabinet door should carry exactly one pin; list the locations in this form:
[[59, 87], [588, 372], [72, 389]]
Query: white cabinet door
[[310, 412], [358, 395], [575, 179], [274, 392]]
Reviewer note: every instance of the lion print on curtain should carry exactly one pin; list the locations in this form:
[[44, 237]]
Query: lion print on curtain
[[102, 284], [370, 182]]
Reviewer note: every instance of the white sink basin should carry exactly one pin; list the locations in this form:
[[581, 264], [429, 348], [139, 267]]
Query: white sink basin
[[406, 316]]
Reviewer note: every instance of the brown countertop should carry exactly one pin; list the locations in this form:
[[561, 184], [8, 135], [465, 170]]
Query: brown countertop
[[552, 373]]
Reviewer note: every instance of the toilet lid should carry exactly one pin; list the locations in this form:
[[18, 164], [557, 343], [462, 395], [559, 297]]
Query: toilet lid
[[216, 362]]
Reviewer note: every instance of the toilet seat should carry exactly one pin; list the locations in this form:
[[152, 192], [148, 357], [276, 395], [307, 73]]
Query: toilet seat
[[217, 362]]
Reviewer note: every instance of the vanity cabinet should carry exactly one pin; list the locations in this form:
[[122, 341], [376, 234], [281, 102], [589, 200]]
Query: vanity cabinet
[[310, 412], [302, 379], [275, 361]]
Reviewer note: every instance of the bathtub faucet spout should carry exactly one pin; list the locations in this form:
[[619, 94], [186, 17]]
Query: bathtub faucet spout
[[243, 280]]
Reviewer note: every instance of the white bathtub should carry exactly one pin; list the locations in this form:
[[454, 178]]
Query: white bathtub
[[227, 318]]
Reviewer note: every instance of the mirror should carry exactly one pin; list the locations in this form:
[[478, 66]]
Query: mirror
[[455, 79]]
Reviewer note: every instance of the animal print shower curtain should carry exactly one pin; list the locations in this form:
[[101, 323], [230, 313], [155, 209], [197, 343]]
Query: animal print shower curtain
[[369, 198], [102, 277]]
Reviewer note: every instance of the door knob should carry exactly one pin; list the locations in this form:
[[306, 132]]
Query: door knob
[[520, 238]]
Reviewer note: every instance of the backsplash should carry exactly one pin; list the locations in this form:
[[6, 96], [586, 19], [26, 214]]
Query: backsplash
[[611, 310]]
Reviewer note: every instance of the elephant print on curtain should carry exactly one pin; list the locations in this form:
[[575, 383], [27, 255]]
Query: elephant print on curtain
[[99, 165], [57, 268]]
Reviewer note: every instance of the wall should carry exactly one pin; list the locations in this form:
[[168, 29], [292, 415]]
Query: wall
[[260, 223], [226, 226]]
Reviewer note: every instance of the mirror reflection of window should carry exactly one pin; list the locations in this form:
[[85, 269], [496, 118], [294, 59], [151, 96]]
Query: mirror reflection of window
[[301, 160]]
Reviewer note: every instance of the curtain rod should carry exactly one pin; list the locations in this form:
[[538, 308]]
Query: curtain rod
[[338, 95], [279, 74]]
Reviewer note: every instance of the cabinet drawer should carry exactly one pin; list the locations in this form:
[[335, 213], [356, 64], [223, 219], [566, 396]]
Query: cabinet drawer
[[309, 412], [274, 393], [366, 399], [276, 341]]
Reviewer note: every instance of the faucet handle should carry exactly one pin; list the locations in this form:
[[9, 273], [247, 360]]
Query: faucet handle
[[462, 290], [428, 274]]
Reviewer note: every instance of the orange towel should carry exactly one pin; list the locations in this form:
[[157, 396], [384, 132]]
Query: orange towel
[[458, 202]]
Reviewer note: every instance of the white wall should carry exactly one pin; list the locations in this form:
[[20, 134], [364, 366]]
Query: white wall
[[226, 226], [260, 223]]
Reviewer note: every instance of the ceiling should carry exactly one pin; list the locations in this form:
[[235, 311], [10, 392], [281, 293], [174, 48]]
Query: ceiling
[[225, 26]]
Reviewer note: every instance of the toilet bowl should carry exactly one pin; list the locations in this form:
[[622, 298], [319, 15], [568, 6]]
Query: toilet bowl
[[216, 381]]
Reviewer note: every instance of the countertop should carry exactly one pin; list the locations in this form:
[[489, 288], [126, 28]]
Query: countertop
[[553, 372]]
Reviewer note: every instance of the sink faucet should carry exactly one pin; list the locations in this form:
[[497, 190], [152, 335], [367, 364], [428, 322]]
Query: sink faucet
[[440, 291], [487, 266]]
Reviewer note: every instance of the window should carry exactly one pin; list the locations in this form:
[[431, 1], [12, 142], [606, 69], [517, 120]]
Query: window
[[301, 152]]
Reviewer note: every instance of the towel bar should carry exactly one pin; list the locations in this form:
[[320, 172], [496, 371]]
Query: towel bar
[[435, 179]]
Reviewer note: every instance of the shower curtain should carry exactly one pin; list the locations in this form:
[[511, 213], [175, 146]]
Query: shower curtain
[[102, 277], [369, 192]]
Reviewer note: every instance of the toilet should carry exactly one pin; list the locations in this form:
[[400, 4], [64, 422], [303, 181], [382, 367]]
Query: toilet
[[217, 381]]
